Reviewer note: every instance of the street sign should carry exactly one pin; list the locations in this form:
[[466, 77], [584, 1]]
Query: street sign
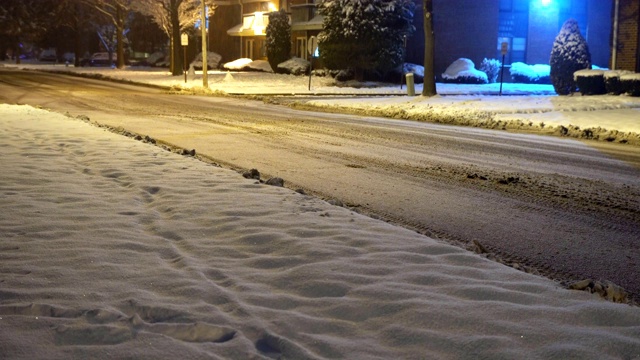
[[504, 48], [312, 46], [184, 40]]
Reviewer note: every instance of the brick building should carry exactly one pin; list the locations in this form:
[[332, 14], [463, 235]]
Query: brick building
[[627, 50], [472, 29], [475, 29]]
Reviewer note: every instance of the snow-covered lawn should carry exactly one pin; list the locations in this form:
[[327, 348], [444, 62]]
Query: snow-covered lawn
[[526, 107], [115, 248]]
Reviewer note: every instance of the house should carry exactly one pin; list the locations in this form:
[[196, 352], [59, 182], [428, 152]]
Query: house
[[473, 29], [239, 27], [626, 35]]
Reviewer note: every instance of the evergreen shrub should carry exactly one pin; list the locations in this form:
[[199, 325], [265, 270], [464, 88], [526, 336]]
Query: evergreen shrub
[[570, 53], [278, 40]]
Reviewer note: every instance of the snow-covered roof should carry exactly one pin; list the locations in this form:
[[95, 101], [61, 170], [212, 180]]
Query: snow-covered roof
[[252, 25]]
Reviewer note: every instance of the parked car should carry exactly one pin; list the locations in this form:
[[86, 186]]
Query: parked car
[[48, 55], [69, 57], [100, 59]]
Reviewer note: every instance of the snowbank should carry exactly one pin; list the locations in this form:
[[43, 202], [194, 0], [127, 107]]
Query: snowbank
[[295, 66], [115, 248]]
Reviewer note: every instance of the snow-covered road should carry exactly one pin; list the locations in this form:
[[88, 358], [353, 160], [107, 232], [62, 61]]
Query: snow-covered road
[[549, 205]]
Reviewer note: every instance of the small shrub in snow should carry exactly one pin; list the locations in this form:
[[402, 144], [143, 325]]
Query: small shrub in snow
[[612, 81], [631, 84], [590, 82], [463, 71], [155, 58], [343, 75], [570, 53], [530, 74], [246, 64], [278, 39], [491, 67], [294, 66], [213, 60], [416, 70]]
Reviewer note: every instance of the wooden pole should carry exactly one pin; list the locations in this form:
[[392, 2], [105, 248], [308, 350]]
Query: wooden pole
[[203, 26]]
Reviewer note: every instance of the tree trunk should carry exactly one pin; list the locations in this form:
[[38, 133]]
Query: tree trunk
[[120, 36], [429, 85], [176, 58], [17, 51]]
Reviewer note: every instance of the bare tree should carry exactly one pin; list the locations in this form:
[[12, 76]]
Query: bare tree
[[173, 17], [429, 85], [77, 16], [116, 11]]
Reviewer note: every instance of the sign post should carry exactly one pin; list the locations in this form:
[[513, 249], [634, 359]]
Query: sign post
[[184, 41], [504, 49], [312, 47], [404, 58]]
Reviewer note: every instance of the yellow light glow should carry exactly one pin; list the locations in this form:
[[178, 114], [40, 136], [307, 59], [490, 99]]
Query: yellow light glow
[[272, 7]]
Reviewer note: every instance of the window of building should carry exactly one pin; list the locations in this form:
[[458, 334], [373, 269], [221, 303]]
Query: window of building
[[513, 27], [301, 47], [248, 48]]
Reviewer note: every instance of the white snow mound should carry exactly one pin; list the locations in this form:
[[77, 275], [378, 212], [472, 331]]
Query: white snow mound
[[463, 67]]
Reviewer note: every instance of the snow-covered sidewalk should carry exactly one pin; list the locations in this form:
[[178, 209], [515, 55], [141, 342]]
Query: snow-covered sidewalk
[[529, 108], [115, 248]]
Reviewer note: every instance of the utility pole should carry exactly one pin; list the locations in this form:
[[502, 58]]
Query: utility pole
[[203, 26]]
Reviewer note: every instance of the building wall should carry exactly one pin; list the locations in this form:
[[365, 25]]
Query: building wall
[[543, 28], [415, 42], [627, 55], [598, 32], [464, 28], [220, 42]]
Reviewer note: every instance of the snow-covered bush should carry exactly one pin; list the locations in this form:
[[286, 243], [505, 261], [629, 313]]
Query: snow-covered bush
[[570, 53], [155, 58], [278, 40], [401, 71], [612, 81], [294, 66], [530, 74], [463, 71], [366, 35], [246, 64], [631, 84], [491, 67], [213, 60], [416, 70], [590, 82]]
